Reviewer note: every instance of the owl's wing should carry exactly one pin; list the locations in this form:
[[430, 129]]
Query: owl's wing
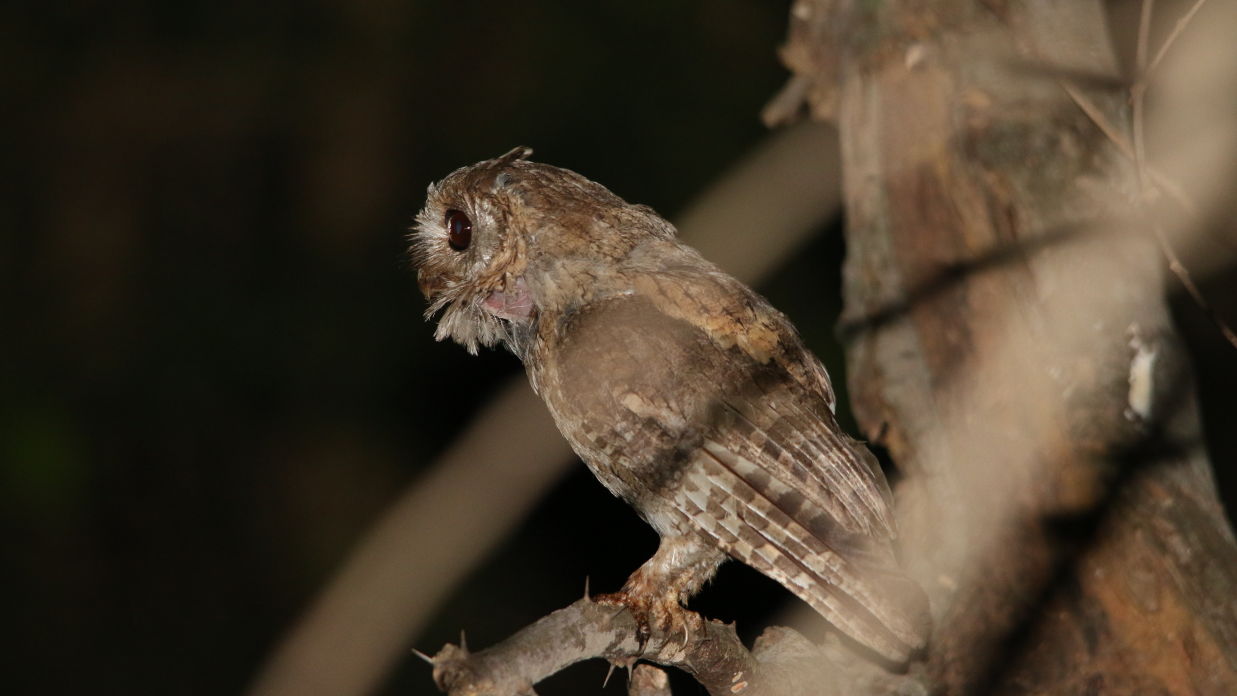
[[724, 496], [777, 411], [787, 430], [776, 484]]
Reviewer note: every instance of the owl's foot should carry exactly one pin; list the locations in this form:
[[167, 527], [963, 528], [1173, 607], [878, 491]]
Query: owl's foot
[[656, 592], [663, 625]]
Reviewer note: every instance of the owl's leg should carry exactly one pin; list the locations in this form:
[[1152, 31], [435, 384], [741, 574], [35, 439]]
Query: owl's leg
[[657, 591], [677, 571]]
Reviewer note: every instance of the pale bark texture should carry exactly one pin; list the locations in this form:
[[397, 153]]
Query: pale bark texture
[[1009, 344]]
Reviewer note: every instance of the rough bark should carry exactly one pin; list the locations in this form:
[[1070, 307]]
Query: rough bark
[[1008, 342]]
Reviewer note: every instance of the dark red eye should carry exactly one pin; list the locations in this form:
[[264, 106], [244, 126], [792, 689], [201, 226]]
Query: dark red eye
[[459, 230]]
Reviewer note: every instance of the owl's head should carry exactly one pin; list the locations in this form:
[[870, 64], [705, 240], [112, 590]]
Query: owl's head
[[500, 241]]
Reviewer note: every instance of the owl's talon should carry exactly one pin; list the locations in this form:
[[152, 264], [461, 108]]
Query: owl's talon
[[640, 610], [659, 616]]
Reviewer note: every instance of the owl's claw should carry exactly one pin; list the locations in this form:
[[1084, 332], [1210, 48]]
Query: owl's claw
[[660, 618], [638, 609]]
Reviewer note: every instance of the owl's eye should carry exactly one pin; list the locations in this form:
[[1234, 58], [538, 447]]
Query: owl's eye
[[459, 230]]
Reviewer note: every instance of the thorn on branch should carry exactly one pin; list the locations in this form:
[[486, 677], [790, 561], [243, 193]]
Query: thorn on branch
[[1172, 38]]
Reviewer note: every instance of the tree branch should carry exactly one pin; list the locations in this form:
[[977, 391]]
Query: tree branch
[[783, 662]]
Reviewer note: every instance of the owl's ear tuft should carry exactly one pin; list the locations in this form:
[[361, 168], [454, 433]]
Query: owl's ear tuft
[[504, 175], [520, 153]]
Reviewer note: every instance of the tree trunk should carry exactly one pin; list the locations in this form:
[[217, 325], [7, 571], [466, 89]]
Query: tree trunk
[[1009, 343]]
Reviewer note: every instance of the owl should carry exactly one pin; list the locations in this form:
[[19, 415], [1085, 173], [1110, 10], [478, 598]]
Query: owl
[[683, 391]]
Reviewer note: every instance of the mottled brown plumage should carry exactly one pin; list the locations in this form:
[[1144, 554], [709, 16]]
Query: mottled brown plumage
[[684, 391]]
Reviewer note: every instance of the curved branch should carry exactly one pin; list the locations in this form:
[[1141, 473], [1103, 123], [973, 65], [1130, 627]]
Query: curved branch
[[783, 663]]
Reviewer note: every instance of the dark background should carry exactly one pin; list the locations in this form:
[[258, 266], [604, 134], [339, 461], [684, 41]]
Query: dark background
[[214, 369]]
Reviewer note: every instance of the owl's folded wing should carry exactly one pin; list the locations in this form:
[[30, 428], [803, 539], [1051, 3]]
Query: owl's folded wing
[[735, 502], [776, 483]]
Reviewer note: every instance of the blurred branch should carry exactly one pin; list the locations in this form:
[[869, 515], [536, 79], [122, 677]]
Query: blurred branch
[[1032, 392], [748, 222], [1162, 182], [1172, 38], [1136, 151], [349, 638], [1138, 93], [1187, 281], [757, 215]]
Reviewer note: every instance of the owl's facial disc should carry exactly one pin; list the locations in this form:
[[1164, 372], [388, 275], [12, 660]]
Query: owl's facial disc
[[470, 265], [458, 227]]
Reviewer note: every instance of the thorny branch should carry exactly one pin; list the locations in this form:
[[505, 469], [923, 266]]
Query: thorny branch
[[782, 663]]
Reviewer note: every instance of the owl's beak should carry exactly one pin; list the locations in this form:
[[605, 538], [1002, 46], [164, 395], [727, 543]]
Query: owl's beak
[[428, 288]]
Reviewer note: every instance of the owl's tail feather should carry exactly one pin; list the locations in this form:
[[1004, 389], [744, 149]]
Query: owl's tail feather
[[878, 607], [851, 579]]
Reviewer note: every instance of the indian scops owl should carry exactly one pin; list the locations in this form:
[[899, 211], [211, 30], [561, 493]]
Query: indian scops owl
[[683, 390]]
